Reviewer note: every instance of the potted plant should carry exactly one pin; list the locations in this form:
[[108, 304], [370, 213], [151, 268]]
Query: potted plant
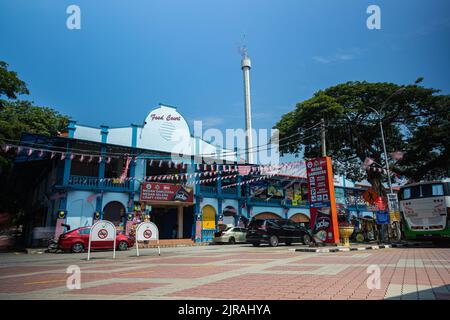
[[345, 231]]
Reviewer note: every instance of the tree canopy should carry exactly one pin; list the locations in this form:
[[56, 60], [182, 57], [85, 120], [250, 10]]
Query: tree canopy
[[415, 120], [17, 117], [10, 85]]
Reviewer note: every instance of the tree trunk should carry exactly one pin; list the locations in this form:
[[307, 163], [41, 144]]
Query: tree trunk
[[375, 181]]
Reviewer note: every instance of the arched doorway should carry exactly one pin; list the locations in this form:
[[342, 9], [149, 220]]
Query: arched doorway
[[267, 215], [301, 218], [114, 211], [209, 217], [208, 223]]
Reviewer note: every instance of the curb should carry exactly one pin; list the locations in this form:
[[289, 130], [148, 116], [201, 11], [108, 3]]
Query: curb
[[411, 244], [325, 250], [370, 247], [36, 250]]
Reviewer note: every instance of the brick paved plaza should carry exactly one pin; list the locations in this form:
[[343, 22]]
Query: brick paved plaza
[[230, 272]]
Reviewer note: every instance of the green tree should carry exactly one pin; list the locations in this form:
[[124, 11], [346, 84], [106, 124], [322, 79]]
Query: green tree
[[10, 85], [17, 117], [415, 120]]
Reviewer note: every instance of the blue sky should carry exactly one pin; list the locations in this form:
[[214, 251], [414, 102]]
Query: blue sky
[[131, 55]]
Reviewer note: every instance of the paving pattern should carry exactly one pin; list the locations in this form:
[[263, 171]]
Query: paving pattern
[[231, 272]]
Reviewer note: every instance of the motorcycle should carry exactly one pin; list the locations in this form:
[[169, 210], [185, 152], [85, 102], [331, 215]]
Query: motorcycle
[[52, 246]]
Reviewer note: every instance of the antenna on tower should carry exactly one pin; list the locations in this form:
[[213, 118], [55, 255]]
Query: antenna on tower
[[242, 48]]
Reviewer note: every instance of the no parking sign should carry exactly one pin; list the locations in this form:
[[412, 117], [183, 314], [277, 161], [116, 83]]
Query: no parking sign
[[147, 231], [102, 230]]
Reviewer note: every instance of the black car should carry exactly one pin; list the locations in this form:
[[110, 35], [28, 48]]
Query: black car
[[275, 231]]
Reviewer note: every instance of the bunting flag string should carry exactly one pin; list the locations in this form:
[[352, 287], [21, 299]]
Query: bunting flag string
[[207, 169], [247, 181]]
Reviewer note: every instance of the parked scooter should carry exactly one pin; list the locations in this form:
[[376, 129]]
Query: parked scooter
[[52, 246]]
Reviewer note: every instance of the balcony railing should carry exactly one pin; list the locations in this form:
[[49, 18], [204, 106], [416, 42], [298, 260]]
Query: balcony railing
[[85, 182], [208, 190], [230, 192], [265, 201], [278, 202]]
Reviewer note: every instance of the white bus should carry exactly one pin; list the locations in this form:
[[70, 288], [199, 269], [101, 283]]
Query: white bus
[[425, 210]]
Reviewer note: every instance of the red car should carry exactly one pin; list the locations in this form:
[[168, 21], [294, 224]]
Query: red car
[[77, 241]]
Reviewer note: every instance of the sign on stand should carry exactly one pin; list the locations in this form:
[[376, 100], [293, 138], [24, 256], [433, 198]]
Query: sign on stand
[[102, 230], [147, 231], [323, 209]]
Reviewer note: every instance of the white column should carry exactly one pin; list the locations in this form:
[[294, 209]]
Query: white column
[[246, 65]]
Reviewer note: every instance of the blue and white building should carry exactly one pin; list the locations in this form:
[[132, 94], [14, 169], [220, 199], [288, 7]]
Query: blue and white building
[[83, 169]]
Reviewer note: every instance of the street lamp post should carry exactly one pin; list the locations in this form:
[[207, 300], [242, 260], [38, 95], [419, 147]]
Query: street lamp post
[[386, 159], [384, 144], [384, 150]]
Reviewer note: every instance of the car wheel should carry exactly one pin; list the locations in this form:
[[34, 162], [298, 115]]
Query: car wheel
[[359, 237], [231, 241], [273, 241], [255, 244], [123, 245], [77, 247], [306, 239]]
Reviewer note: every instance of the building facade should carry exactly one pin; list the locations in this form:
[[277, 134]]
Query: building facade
[[186, 185]]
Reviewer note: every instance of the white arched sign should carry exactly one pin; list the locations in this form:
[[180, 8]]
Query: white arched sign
[[147, 231], [102, 230]]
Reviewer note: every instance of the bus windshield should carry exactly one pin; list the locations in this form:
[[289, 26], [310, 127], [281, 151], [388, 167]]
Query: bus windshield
[[422, 191]]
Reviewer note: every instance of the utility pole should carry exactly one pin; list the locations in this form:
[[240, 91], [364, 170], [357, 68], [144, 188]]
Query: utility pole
[[386, 159], [323, 144]]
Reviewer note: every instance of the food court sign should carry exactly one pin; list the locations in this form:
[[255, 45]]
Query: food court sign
[[152, 191], [322, 200]]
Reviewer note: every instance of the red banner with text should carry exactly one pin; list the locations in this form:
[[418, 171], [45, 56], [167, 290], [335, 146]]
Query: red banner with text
[[152, 191], [324, 224]]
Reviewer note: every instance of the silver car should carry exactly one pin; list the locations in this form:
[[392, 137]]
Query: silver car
[[231, 235]]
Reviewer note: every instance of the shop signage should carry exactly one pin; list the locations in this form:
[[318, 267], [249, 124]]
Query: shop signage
[[394, 209], [168, 117], [322, 200], [382, 217], [147, 231], [152, 191], [393, 202], [102, 230]]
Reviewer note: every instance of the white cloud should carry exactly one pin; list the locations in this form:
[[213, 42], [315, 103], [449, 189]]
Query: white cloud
[[339, 56]]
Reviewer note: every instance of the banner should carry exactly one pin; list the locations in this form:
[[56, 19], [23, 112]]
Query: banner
[[322, 200], [382, 217], [294, 193], [258, 189], [152, 191], [275, 190], [244, 170]]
